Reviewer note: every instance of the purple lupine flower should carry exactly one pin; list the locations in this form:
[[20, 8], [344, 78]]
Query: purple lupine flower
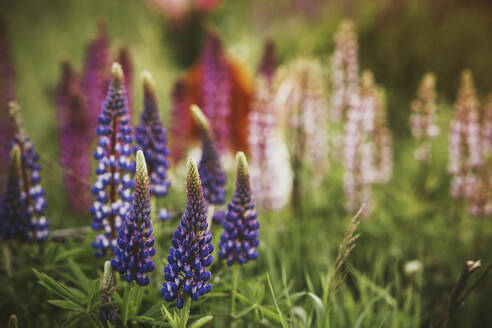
[[212, 175], [344, 70], [465, 153], [186, 273], [113, 186], [151, 137], [14, 216], [108, 312], [423, 119], [239, 240], [133, 255], [33, 194], [95, 74], [125, 60], [216, 90], [7, 94], [74, 127]]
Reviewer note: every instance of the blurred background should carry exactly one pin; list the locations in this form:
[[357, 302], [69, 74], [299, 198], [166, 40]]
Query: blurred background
[[399, 41]]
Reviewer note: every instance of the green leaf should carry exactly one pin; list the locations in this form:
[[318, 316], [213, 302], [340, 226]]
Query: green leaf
[[72, 321], [81, 280], [58, 288], [282, 319], [68, 254], [67, 305], [201, 322], [245, 311], [167, 315]]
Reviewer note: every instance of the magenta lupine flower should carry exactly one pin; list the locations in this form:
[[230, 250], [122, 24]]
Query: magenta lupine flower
[[135, 247], [344, 70], [423, 119], [216, 90], [74, 129], [465, 152], [33, 194], [212, 175], [125, 60], [151, 137], [96, 74], [268, 63], [239, 240], [180, 119], [7, 94], [113, 187], [186, 273]]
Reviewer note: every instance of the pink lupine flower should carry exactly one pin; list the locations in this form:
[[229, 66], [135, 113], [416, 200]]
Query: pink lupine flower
[[464, 139], [344, 70], [423, 119]]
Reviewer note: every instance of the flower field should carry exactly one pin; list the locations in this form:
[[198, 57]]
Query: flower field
[[221, 163]]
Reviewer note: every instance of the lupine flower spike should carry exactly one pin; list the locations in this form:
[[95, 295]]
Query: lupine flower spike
[[423, 119], [108, 312], [7, 94], [151, 137], [186, 273], [14, 217], [125, 60], [113, 185], [239, 240], [33, 195], [96, 74], [212, 176], [464, 139], [133, 255], [74, 128]]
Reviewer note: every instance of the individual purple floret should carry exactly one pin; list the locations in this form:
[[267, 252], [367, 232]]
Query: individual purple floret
[[133, 255], [211, 174], [107, 312], [186, 273], [14, 217], [113, 186], [239, 240], [151, 137], [33, 195]]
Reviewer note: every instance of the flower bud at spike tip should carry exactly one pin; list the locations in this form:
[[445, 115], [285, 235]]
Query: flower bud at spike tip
[[117, 72], [13, 322], [186, 273], [200, 118]]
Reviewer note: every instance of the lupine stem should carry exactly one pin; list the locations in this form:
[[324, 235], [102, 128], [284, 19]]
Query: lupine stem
[[235, 274], [126, 302]]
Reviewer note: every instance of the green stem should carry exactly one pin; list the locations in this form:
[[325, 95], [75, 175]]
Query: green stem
[[235, 274], [126, 302]]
